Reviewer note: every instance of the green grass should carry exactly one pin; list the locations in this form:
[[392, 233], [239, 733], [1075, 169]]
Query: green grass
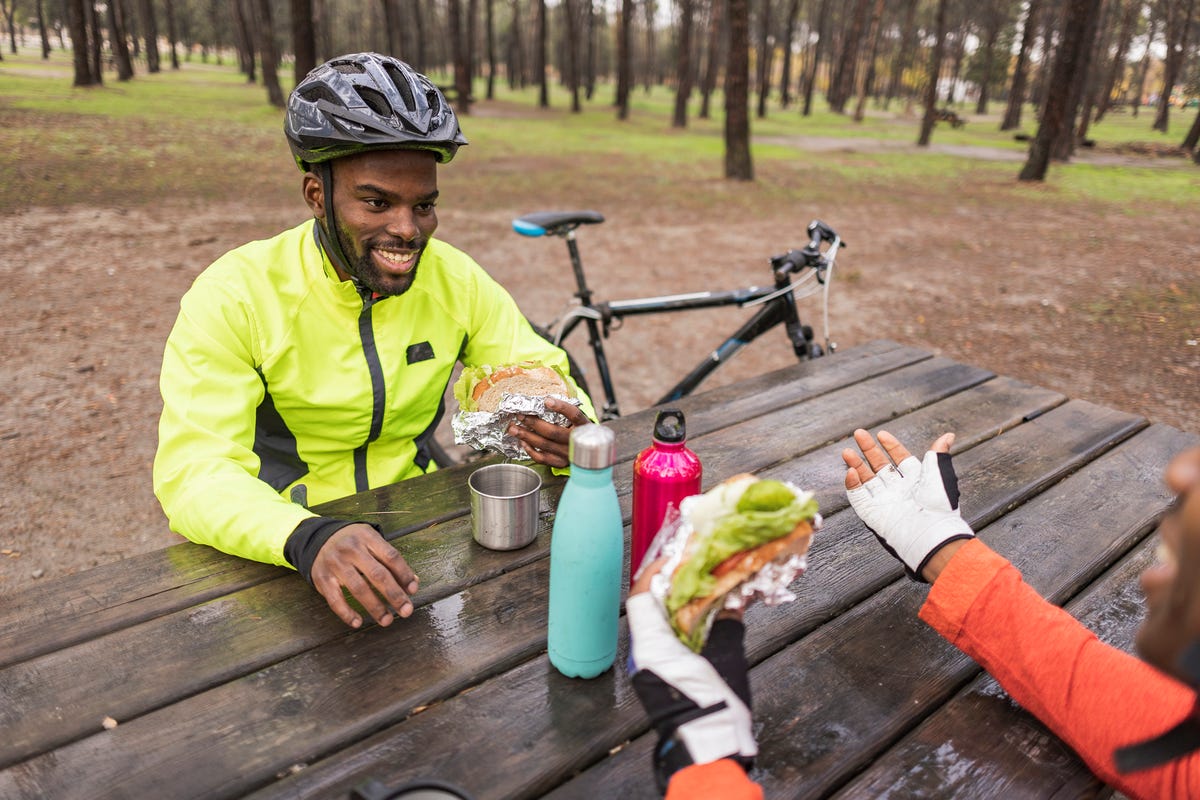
[[204, 132]]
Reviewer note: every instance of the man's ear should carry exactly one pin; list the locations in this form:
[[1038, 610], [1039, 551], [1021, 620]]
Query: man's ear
[[314, 194]]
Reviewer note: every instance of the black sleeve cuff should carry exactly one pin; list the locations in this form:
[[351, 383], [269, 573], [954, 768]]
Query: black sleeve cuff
[[307, 540]]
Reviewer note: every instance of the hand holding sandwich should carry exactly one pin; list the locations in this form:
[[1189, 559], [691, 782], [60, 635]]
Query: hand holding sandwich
[[698, 703], [912, 505], [546, 442]]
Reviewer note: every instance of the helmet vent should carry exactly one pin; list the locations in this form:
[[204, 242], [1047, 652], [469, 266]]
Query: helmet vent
[[349, 68], [375, 100], [320, 92], [401, 82]]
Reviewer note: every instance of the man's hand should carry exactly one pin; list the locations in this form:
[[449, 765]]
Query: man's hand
[[911, 506], [699, 704], [546, 442], [362, 561]]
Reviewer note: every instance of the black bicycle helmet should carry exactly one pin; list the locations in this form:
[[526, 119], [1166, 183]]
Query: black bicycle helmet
[[367, 101]]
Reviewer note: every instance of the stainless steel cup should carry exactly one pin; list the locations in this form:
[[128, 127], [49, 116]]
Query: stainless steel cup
[[504, 505]]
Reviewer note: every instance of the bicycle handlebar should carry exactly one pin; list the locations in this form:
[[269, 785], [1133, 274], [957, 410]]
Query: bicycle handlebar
[[810, 255]]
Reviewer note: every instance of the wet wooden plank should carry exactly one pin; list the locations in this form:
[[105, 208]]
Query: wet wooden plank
[[75, 608], [960, 750], [259, 625], [826, 704], [524, 754]]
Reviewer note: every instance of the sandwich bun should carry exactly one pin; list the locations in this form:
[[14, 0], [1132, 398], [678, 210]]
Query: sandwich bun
[[531, 381]]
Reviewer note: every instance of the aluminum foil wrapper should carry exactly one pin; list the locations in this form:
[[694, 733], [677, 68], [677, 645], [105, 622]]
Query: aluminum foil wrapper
[[487, 430]]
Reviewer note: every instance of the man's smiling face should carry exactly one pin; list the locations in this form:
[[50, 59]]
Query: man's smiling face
[[384, 208]]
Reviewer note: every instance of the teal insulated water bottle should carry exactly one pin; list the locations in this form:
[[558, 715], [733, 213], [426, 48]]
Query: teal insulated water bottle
[[586, 554]]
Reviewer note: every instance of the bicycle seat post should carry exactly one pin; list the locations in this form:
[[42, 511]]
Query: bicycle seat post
[[584, 294]]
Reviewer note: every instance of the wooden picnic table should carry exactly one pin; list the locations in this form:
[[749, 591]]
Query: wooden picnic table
[[227, 678]]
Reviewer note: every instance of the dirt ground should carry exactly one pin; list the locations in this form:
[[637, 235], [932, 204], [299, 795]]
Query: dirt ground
[[1070, 297]]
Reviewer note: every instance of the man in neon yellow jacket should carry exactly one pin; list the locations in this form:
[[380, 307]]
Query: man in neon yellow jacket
[[313, 365]]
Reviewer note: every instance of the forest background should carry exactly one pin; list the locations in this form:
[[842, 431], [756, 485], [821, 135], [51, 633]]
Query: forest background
[[118, 192]]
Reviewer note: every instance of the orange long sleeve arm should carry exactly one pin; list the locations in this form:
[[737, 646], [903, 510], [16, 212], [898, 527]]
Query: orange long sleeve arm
[[724, 779], [1095, 697]]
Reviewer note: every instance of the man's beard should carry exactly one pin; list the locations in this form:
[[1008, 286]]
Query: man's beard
[[364, 270]]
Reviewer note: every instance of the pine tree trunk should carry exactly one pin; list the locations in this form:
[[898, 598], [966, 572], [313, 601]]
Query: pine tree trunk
[[738, 165], [1016, 93], [1054, 115], [77, 22], [810, 78], [683, 64], [872, 42], [117, 40], [150, 35], [624, 59], [935, 70], [269, 56], [172, 32]]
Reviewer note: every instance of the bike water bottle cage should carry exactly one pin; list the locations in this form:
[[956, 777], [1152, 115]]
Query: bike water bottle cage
[[554, 223]]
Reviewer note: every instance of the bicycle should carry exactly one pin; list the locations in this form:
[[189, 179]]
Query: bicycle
[[797, 274]]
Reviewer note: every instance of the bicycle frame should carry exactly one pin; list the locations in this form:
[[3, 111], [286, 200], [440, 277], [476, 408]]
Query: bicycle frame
[[778, 306]]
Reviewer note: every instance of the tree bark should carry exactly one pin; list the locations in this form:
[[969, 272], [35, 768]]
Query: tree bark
[[95, 40], [1117, 68], [172, 32], [41, 18], [543, 27], [268, 55], [763, 63], [1144, 68], [712, 65], [624, 59], [150, 35], [650, 71], [1193, 137], [683, 64], [117, 40], [903, 57], [570, 9], [244, 40], [789, 33], [490, 33], [1016, 93], [738, 165], [304, 39], [1064, 146], [516, 50], [77, 22], [1179, 23], [860, 88], [841, 85], [459, 57], [935, 69], [1054, 115], [810, 77]]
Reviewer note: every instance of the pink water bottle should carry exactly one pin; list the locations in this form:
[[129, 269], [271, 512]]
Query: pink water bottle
[[663, 474]]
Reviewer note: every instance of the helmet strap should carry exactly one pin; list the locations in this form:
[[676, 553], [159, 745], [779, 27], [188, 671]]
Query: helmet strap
[[327, 234]]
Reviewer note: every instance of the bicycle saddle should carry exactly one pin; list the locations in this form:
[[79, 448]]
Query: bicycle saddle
[[554, 223]]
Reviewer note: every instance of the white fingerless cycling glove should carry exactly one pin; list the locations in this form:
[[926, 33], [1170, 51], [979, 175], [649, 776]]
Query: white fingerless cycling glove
[[698, 715], [912, 508]]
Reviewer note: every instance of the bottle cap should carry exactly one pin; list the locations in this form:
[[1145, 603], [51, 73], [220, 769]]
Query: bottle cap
[[592, 446], [669, 426]]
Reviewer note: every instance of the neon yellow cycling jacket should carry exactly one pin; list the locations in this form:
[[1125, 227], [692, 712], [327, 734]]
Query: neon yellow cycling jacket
[[280, 383]]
